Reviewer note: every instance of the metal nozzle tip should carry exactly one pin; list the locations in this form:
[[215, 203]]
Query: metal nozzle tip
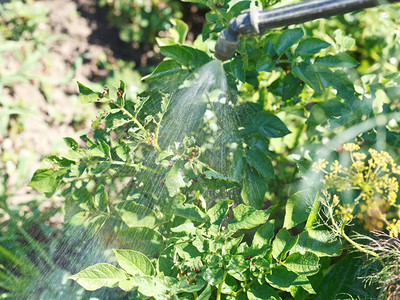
[[226, 45]]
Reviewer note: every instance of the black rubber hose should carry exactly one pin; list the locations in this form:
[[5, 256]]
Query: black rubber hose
[[311, 10]]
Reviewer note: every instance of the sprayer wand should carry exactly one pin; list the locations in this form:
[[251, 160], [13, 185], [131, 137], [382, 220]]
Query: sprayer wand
[[255, 21]]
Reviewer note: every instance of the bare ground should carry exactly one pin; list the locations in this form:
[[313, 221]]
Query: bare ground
[[53, 110]]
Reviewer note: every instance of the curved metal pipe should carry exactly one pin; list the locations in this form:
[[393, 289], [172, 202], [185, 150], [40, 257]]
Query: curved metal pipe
[[256, 22], [228, 40]]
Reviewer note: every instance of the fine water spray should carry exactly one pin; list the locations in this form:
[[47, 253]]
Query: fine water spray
[[255, 21]]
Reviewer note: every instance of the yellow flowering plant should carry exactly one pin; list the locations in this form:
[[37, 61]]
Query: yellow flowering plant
[[372, 180]]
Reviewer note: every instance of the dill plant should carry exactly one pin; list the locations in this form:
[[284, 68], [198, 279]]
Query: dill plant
[[373, 179]]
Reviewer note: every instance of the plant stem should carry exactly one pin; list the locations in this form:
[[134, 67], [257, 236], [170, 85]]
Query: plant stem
[[114, 162], [155, 145], [141, 127], [247, 285], [135, 120], [347, 238], [220, 285], [358, 246]]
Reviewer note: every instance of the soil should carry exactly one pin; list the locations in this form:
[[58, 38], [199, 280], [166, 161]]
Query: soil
[[51, 118]]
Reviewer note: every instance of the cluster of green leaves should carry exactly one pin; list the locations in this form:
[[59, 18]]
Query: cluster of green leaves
[[181, 241], [141, 21], [209, 255], [282, 72]]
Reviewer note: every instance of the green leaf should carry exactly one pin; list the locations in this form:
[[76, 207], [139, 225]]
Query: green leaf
[[254, 189], [299, 293], [98, 168], [313, 217], [235, 8], [62, 162], [165, 261], [218, 212], [262, 292], [101, 197], [320, 242], [122, 87], [165, 68], [340, 60], [86, 94], [340, 81], [348, 42], [298, 208], [216, 180], [187, 251], [261, 162], [78, 219], [190, 212], [213, 275], [104, 148], [181, 28], [71, 143], [311, 46], [306, 72], [134, 262], [136, 215], [345, 42], [164, 154], [46, 180], [263, 235], [232, 243], [188, 228], [206, 293], [282, 243], [143, 239], [238, 166], [183, 285], [283, 279], [237, 66], [302, 264], [247, 217], [265, 63], [291, 86], [151, 286], [229, 286], [178, 53], [127, 284], [265, 124], [263, 264], [99, 275], [343, 274], [237, 266], [288, 38], [174, 180], [323, 112], [199, 57]]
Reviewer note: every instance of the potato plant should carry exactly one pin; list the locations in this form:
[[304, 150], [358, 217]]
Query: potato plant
[[267, 226], [140, 21], [183, 244]]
